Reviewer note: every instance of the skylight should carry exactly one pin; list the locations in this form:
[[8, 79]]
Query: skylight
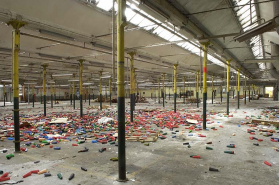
[[135, 18], [105, 4], [247, 17]]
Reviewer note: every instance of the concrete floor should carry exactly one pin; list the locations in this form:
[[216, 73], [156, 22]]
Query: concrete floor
[[164, 162]]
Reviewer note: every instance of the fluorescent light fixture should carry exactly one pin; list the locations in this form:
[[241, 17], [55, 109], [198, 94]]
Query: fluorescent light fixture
[[87, 83], [267, 26], [56, 75], [64, 85], [6, 80], [51, 82], [30, 83], [49, 56], [259, 60], [105, 76], [73, 80], [24, 65], [50, 33]]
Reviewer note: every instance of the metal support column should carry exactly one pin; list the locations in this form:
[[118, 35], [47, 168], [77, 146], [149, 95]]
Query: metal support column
[[184, 90], [252, 92], [28, 97], [221, 90], [121, 23], [132, 86], [228, 86], [88, 90], [54, 92], [15, 50], [205, 47], [169, 92], [51, 96], [44, 86], [101, 97], [197, 89], [249, 93], [71, 95], [159, 89], [33, 95], [110, 91], [134, 95], [238, 87], [245, 90], [74, 92], [212, 88], [80, 86], [175, 86], [4, 94], [163, 90]]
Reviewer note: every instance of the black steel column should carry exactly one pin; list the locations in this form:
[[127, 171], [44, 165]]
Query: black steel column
[[163, 99], [44, 105], [197, 94], [51, 101], [228, 101], [245, 97], [204, 111], [89, 99], [212, 96], [81, 106], [131, 108], [238, 99], [71, 98], [175, 94], [101, 99], [74, 103]]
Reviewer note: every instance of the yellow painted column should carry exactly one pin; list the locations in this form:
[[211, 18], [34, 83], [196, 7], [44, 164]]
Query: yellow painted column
[[74, 92], [184, 90], [101, 89], [44, 86], [80, 85], [110, 90], [205, 50], [132, 85], [228, 86], [16, 24], [163, 90], [175, 86], [238, 87], [159, 93], [51, 94], [197, 88], [121, 23], [212, 87], [4, 94]]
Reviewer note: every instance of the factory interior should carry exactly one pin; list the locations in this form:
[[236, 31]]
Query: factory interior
[[141, 92]]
